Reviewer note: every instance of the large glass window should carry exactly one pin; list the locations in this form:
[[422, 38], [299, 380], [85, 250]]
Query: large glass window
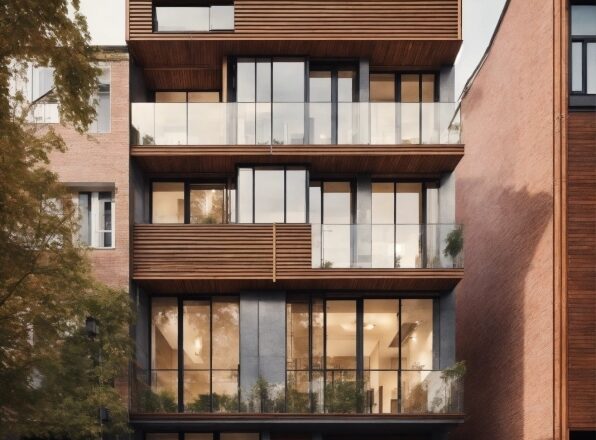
[[167, 203], [103, 104], [194, 18], [190, 202], [377, 355], [583, 49], [274, 194], [207, 203], [209, 343], [97, 218]]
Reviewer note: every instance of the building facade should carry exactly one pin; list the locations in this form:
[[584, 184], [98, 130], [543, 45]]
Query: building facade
[[294, 249], [525, 191]]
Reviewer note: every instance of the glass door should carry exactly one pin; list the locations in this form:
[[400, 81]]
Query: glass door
[[332, 114]]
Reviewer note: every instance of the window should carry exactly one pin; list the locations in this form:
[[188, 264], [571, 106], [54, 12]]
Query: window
[[270, 97], [200, 357], [194, 18], [102, 107], [360, 355], [272, 194], [583, 51], [415, 120], [97, 218], [190, 202], [45, 110]]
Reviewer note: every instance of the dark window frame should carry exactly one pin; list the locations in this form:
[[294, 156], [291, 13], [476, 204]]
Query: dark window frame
[[187, 184], [360, 370], [285, 167], [180, 300], [190, 3]]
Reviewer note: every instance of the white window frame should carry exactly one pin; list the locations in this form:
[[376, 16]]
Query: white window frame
[[95, 221]]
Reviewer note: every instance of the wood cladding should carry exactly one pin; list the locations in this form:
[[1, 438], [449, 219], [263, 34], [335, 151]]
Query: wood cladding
[[390, 33], [581, 276], [320, 19], [191, 258], [375, 159]]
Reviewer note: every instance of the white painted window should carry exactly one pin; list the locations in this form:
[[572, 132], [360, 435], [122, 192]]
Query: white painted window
[[97, 218]]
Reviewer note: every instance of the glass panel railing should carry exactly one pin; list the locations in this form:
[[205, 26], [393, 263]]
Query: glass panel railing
[[304, 392], [412, 246], [324, 123]]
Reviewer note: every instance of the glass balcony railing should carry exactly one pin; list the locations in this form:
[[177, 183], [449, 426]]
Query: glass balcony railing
[[415, 246], [330, 392], [294, 123]]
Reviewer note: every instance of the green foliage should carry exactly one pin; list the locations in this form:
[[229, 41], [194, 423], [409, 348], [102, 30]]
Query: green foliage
[[160, 402], [454, 243], [222, 403], [52, 376], [344, 396], [456, 371]]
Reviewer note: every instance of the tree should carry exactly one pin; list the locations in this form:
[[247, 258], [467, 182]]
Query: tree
[[53, 377]]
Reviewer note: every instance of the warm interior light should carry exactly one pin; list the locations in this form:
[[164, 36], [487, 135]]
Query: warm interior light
[[198, 345]]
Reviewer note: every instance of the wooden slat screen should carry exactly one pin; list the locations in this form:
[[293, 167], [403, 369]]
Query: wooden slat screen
[[322, 19], [203, 252], [581, 277]]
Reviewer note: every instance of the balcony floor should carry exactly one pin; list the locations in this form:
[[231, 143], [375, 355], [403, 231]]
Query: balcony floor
[[374, 159]]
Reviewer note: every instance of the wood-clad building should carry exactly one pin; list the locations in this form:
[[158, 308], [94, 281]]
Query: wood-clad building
[[294, 245]]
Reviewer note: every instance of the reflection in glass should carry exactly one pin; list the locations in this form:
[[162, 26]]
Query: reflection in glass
[[221, 18], [288, 81], [382, 234], [319, 86], [417, 334], [296, 183], [226, 354], [269, 195], [319, 123], [182, 19], [104, 219], [207, 204], [341, 335], [245, 80], [336, 231], [591, 67], [314, 203], [380, 350], [164, 349], [288, 123], [583, 20], [345, 85], [408, 197], [143, 123], [245, 195], [167, 202]]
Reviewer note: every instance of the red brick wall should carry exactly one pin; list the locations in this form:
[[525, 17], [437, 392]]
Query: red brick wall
[[105, 159], [504, 197]]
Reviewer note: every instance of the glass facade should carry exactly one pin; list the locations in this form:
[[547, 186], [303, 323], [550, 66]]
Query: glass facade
[[362, 355], [194, 355]]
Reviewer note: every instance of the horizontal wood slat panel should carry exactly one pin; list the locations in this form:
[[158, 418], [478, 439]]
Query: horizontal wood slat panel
[[581, 273], [186, 258], [322, 19]]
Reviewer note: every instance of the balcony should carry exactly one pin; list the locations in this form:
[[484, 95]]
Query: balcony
[[423, 393], [186, 258], [276, 124], [352, 137]]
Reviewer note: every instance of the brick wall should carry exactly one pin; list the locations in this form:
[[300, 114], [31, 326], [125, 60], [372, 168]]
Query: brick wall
[[504, 187], [105, 158]]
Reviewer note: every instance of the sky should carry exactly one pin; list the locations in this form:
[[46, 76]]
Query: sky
[[106, 20]]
